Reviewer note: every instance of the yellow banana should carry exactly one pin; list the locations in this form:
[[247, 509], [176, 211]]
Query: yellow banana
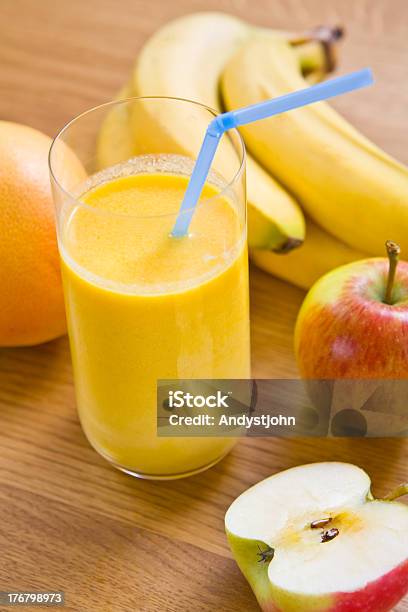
[[185, 59], [344, 182], [115, 138], [319, 254]]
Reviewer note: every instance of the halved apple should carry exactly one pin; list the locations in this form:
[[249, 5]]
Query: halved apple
[[313, 539]]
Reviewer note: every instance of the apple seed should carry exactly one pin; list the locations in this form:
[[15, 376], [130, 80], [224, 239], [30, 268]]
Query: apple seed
[[321, 523], [330, 535]]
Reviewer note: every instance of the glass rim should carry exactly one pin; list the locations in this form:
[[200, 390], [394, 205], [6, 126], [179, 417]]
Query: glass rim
[[203, 201]]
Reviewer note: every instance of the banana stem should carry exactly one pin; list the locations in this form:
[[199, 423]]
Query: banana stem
[[398, 492], [393, 251], [326, 36]]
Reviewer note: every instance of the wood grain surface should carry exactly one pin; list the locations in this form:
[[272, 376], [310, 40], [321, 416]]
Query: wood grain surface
[[67, 520]]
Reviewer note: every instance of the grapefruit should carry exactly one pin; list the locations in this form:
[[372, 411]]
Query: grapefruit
[[31, 299]]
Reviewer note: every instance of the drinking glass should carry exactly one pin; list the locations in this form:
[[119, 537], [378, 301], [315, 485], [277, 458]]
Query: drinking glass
[[141, 305]]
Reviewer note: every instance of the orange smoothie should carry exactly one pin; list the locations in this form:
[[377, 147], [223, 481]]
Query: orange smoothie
[[144, 306]]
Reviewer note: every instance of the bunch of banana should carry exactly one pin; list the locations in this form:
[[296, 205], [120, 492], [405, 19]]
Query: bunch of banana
[[186, 59], [354, 195]]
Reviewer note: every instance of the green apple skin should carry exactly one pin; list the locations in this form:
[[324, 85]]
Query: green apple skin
[[380, 595], [245, 553], [345, 330], [270, 598]]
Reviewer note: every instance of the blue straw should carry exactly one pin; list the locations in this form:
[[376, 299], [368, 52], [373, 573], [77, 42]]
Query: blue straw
[[255, 112]]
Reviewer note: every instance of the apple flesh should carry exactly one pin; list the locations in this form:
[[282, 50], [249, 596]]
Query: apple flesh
[[313, 539], [346, 330]]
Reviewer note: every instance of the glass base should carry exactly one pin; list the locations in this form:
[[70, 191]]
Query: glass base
[[168, 476]]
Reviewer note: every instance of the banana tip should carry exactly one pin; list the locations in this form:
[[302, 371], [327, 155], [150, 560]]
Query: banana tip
[[288, 245]]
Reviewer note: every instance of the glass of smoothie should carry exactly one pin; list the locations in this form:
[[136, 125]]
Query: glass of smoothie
[[141, 304]]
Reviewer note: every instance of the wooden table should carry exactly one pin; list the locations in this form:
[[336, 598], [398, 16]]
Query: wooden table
[[67, 520]]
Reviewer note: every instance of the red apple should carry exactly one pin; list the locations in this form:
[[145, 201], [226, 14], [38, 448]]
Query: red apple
[[354, 321], [313, 538]]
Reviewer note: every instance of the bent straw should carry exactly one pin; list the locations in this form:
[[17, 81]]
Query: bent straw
[[249, 114]]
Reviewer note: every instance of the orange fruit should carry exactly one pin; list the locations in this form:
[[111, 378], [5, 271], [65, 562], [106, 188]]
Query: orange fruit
[[31, 300]]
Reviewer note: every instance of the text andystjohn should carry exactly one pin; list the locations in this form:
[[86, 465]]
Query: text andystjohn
[[205, 420]]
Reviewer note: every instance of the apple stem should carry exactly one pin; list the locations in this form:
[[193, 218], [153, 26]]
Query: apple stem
[[398, 492], [393, 251]]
